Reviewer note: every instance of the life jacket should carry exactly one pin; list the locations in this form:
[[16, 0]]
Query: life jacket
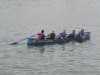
[[41, 36], [63, 35]]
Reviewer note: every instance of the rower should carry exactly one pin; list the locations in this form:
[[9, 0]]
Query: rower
[[72, 34], [63, 34], [41, 35], [81, 33], [51, 35]]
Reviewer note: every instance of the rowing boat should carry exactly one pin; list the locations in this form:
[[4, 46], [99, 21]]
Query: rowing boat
[[35, 41]]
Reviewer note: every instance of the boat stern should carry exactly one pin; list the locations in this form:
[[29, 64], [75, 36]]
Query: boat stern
[[88, 35]]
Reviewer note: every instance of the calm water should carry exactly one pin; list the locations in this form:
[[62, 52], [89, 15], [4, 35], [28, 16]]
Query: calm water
[[22, 18]]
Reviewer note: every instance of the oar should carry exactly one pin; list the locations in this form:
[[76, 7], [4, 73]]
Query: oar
[[83, 37], [63, 39], [63, 44], [14, 43]]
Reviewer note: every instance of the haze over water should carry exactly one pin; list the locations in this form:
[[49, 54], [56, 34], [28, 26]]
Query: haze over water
[[20, 19]]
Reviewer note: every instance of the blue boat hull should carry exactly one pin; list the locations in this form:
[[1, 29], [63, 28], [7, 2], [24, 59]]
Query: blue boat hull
[[32, 41]]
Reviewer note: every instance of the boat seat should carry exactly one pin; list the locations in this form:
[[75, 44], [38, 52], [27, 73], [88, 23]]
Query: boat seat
[[57, 37], [67, 35]]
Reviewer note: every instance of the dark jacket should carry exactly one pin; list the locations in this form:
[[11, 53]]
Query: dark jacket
[[52, 36]]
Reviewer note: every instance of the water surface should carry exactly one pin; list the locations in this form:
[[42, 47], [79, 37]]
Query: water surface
[[22, 18]]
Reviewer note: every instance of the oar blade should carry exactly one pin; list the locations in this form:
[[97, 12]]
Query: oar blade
[[14, 43]]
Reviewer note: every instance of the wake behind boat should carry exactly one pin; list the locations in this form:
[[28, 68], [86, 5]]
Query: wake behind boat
[[35, 41]]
